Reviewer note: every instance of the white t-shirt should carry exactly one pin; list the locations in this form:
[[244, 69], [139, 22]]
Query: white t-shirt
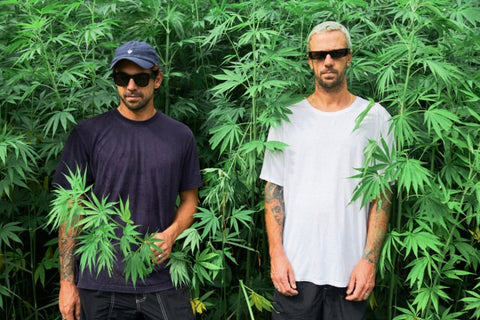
[[324, 234]]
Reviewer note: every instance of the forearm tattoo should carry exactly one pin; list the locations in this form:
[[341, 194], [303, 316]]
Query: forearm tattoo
[[66, 248], [378, 223], [274, 202]]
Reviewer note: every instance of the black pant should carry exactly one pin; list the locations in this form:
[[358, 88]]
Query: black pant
[[163, 305], [315, 302]]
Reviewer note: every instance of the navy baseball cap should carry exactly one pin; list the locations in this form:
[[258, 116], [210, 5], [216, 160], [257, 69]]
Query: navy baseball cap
[[140, 53]]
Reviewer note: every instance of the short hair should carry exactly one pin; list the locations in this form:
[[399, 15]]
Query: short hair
[[330, 26]]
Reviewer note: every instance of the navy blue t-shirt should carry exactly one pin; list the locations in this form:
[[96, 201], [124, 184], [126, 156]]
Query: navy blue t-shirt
[[148, 162]]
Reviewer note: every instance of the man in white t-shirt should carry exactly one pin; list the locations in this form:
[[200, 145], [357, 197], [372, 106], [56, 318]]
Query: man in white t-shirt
[[324, 247]]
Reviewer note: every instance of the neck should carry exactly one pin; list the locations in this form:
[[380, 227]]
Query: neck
[[331, 101], [141, 114]]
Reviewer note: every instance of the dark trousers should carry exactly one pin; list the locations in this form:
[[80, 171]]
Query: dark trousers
[[169, 304], [315, 302]]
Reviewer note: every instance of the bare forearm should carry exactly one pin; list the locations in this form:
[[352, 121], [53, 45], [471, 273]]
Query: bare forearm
[[186, 210], [274, 215], [68, 298], [66, 248], [377, 227]]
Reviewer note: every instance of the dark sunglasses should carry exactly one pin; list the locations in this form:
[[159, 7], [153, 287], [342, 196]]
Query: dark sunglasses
[[141, 79], [335, 54]]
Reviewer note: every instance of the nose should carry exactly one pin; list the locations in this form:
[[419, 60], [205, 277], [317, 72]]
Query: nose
[[328, 60], [131, 85]]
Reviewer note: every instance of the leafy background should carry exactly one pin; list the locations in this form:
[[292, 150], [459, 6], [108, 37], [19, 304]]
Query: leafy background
[[230, 69]]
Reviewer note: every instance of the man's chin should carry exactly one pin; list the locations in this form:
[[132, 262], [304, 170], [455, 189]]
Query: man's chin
[[333, 84], [134, 107]]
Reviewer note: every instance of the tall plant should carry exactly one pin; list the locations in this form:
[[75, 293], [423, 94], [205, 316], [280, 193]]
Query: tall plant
[[262, 67], [51, 75], [431, 257]]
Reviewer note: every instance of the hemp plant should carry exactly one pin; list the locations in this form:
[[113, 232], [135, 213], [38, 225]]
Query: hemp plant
[[102, 238], [98, 243]]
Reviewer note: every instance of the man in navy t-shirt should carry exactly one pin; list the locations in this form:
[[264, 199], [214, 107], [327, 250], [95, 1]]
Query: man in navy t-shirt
[[132, 152]]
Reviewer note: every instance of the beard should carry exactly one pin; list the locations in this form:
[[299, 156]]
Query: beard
[[136, 106], [336, 84]]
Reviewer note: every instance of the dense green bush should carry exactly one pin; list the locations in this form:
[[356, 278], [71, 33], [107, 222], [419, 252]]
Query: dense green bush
[[230, 69]]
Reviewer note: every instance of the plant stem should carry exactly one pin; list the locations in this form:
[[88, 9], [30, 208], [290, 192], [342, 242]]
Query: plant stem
[[392, 286], [244, 291], [253, 137], [446, 247], [167, 66]]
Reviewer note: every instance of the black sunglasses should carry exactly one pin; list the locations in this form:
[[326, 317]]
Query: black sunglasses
[[141, 79], [335, 54]]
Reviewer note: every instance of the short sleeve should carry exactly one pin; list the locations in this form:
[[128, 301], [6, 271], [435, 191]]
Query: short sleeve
[[274, 160], [191, 177], [74, 157]]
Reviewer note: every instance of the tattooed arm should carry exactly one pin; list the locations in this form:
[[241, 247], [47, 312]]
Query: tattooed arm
[[68, 299], [377, 228], [281, 271], [362, 279]]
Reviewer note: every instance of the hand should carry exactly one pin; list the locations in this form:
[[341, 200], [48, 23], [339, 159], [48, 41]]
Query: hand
[[165, 242], [282, 275], [362, 281], [69, 301]]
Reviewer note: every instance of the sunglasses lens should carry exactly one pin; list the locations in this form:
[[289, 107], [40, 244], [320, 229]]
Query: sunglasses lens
[[121, 79], [321, 55], [336, 54], [317, 55], [141, 79]]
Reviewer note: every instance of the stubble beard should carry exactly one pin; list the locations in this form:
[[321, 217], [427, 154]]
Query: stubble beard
[[335, 85], [137, 106]]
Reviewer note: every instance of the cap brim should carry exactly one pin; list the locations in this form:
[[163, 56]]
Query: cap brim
[[140, 62]]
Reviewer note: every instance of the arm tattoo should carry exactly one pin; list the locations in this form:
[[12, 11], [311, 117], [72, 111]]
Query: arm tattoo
[[274, 202], [66, 248], [378, 224]]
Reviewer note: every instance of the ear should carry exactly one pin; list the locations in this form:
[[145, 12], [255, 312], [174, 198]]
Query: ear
[[158, 79], [310, 63], [349, 58]]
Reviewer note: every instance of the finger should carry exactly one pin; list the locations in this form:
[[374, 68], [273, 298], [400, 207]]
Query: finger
[[162, 245], [278, 288], [291, 292], [358, 293], [160, 256], [280, 284], [351, 285], [354, 296], [287, 290], [292, 283], [291, 279]]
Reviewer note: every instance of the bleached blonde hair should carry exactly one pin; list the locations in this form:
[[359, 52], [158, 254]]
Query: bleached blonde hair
[[330, 26]]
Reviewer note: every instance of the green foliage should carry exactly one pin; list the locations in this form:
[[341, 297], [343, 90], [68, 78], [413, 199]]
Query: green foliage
[[230, 69], [430, 258], [97, 242]]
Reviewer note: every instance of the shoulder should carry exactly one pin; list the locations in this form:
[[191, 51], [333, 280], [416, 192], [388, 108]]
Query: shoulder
[[299, 106], [381, 112], [86, 129], [98, 121], [293, 113], [376, 110], [297, 111], [172, 125]]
